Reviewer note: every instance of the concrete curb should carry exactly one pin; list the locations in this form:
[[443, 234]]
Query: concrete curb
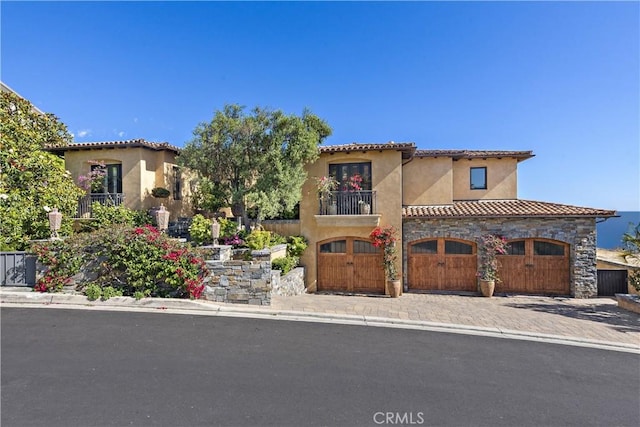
[[179, 306]]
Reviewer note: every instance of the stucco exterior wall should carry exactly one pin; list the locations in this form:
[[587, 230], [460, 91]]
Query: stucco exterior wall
[[428, 181], [579, 233], [502, 182], [386, 175], [142, 170]]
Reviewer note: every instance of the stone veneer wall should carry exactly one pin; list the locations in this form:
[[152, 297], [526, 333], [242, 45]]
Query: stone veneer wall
[[579, 233], [249, 282], [290, 284]]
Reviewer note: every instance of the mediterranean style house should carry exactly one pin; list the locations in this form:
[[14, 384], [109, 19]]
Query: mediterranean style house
[[441, 202], [133, 169]]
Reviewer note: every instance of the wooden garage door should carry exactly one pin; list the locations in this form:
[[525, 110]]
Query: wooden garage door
[[350, 264], [535, 266], [442, 265]]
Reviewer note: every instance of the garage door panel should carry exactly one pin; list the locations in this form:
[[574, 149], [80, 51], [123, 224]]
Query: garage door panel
[[460, 273], [350, 265], [512, 274], [366, 272], [442, 265], [332, 272], [424, 272], [550, 275], [535, 266]]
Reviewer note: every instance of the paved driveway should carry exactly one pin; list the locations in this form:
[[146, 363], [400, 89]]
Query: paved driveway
[[595, 319]]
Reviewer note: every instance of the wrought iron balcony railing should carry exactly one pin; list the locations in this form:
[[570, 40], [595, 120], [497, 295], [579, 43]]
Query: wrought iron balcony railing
[[108, 199], [348, 203]]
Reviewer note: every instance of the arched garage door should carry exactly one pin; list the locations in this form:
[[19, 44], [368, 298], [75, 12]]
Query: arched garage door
[[441, 264], [535, 266], [350, 264]]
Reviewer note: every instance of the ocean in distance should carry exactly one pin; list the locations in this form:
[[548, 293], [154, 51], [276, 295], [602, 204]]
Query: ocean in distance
[[610, 232]]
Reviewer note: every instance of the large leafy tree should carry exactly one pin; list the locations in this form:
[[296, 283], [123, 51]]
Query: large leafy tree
[[32, 180], [256, 160]]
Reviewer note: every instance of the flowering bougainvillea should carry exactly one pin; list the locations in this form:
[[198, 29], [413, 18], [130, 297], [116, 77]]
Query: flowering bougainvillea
[[355, 183], [94, 180], [51, 282], [132, 260], [489, 247], [385, 238]]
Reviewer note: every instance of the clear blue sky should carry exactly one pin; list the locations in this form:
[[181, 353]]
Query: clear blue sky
[[561, 79]]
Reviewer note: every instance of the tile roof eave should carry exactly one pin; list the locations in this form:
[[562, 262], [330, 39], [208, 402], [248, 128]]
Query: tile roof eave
[[515, 208], [134, 143], [475, 154], [407, 148]]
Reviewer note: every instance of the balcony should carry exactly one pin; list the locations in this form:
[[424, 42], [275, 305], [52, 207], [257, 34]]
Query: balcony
[[85, 202], [348, 209]]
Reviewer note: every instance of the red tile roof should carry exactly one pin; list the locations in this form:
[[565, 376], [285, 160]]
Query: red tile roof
[[116, 144], [474, 154], [407, 148], [502, 208]]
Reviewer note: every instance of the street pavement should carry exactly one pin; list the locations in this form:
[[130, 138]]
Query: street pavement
[[68, 368], [594, 322]]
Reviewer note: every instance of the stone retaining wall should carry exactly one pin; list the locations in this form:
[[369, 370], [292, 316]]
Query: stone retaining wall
[[249, 282], [242, 282], [290, 284], [579, 233]]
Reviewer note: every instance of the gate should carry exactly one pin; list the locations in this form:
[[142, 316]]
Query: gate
[[17, 269], [611, 282]]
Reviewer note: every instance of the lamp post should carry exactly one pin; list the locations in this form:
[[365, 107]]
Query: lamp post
[[55, 221], [162, 218]]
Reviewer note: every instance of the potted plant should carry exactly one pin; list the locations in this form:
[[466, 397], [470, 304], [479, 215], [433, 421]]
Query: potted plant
[[326, 185], [160, 193], [489, 247], [386, 238]]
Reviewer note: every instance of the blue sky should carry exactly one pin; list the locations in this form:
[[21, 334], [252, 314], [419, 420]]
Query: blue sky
[[559, 78]]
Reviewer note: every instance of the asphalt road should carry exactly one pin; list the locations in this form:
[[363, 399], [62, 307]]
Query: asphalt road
[[90, 368]]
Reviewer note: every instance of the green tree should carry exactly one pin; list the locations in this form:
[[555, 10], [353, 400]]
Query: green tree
[[32, 180], [255, 161]]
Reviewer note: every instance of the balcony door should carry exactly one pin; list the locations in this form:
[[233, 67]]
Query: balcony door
[[352, 176]]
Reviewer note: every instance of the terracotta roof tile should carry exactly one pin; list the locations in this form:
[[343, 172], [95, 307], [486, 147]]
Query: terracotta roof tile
[[502, 208], [116, 144], [408, 148], [474, 154]]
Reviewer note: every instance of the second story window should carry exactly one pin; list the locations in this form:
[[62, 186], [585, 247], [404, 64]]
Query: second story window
[[350, 176], [479, 178]]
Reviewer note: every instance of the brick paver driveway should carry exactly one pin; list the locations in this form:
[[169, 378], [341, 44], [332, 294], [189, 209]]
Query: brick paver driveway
[[594, 319]]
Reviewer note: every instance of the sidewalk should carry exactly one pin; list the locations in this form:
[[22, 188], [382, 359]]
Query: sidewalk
[[594, 322]]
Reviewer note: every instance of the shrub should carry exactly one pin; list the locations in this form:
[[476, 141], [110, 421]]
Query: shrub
[[277, 239], [52, 282], [228, 227], [108, 215], [234, 241], [127, 259], [138, 295], [200, 229], [109, 292], [296, 245], [93, 291], [160, 192], [285, 264], [258, 239], [63, 263]]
